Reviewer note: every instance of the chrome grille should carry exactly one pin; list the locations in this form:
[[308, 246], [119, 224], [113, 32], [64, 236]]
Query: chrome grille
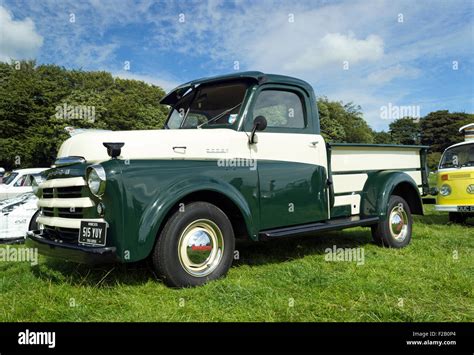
[[48, 212], [69, 192], [48, 193], [65, 201], [75, 212], [63, 235]]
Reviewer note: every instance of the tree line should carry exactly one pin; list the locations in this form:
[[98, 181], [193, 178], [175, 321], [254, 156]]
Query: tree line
[[38, 101], [439, 129]]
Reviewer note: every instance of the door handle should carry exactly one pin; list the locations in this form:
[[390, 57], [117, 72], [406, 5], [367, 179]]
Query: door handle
[[181, 150]]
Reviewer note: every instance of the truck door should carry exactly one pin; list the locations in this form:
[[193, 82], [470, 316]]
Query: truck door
[[291, 159]]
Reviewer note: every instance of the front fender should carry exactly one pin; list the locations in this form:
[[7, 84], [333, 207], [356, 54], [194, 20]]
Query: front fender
[[379, 187], [154, 214]]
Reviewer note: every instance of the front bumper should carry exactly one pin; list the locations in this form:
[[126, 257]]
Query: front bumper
[[447, 208], [75, 253]]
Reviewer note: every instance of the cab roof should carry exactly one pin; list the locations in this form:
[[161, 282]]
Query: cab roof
[[458, 144], [174, 95]]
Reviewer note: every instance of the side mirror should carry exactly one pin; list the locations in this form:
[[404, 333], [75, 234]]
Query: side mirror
[[259, 124]]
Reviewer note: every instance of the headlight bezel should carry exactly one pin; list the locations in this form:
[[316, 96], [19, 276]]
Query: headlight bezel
[[36, 189], [36, 181], [445, 190], [96, 180]]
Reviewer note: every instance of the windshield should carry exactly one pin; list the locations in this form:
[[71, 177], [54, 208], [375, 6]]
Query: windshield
[[458, 157], [217, 104], [8, 178]]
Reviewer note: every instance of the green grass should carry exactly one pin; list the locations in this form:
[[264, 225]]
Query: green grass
[[423, 282]]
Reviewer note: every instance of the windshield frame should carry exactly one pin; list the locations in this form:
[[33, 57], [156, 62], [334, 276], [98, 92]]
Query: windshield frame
[[242, 108], [12, 175]]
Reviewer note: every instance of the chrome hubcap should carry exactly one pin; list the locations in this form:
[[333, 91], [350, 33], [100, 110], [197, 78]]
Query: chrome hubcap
[[200, 248], [398, 223]]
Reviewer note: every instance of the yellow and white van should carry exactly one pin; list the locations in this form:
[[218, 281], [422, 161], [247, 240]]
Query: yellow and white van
[[455, 181]]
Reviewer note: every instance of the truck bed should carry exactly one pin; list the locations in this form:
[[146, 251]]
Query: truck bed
[[351, 164]]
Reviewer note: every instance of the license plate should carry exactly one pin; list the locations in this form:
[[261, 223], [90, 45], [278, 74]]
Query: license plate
[[465, 208], [93, 233]]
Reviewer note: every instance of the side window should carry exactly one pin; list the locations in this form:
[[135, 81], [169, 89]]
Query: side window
[[20, 181], [28, 180], [282, 109]]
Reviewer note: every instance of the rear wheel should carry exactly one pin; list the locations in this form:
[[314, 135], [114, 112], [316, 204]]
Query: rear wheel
[[457, 217], [395, 230], [195, 246]]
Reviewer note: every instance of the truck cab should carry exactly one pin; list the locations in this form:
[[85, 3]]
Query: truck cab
[[240, 156]]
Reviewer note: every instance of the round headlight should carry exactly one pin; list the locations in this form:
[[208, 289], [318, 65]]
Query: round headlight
[[445, 190], [35, 187], [96, 180], [36, 180]]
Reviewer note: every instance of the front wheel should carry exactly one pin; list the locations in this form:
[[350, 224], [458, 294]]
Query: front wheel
[[457, 217], [395, 230], [195, 246]]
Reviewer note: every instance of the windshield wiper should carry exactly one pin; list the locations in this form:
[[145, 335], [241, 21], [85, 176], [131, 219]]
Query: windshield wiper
[[219, 115]]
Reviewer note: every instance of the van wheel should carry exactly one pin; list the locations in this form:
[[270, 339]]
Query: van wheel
[[395, 230], [195, 246], [34, 221], [457, 217]]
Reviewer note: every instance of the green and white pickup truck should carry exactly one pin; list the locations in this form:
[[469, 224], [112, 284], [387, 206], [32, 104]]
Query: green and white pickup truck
[[240, 156]]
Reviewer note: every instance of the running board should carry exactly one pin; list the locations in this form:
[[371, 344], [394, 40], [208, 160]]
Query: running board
[[312, 228]]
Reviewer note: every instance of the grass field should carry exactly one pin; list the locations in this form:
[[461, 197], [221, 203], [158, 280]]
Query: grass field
[[286, 280]]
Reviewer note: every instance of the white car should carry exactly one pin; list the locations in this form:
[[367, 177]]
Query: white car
[[18, 182], [18, 215]]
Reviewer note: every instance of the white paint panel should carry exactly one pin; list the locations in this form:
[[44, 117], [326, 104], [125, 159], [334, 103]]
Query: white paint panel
[[416, 176], [355, 182], [196, 144], [291, 147], [374, 158], [349, 182], [80, 202], [66, 182], [353, 200], [200, 144]]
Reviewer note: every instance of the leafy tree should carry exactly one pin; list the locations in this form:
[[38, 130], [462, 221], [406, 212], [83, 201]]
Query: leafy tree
[[357, 129], [343, 123], [36, 102], [331, 129], [405, 130], [382, 138], [433, 159], [440, 129]]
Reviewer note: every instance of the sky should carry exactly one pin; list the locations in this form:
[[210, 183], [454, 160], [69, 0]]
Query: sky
[[376, 54]]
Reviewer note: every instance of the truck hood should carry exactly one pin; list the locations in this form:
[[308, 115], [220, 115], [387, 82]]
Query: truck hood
[[155, 144]]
